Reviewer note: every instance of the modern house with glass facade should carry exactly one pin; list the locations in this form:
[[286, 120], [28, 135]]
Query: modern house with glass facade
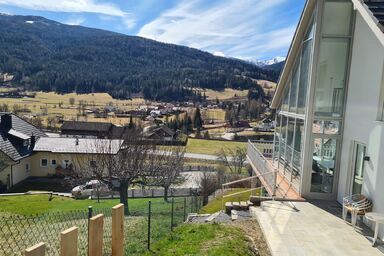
[[329, 136]]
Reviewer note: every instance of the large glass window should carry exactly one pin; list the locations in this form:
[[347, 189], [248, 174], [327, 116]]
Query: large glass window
[[323, 164], [304, 75], [331, 75], [285, 105], [337, 18], [294, 86], [283, 138], [298, 144]]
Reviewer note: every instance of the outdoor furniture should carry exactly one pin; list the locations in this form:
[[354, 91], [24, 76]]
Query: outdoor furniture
[[357, 205], [377, 218]]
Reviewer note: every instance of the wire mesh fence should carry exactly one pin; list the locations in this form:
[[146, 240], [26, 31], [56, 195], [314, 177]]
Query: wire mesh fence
[[143, 227]]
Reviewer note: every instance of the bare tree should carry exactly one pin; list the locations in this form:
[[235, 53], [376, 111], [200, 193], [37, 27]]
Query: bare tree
[[71, 101], [208, 183], [233, 159], [165, 167], [4, 107], [129, 162]]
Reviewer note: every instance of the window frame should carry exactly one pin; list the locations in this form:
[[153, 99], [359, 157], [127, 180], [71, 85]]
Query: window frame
[[41, 162]]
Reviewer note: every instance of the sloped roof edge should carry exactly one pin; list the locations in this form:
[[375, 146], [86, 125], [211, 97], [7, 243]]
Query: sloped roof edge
[[294, 49]]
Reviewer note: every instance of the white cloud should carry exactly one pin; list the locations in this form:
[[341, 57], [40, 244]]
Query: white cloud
[[74, 6], [67, 6], [246, 28]]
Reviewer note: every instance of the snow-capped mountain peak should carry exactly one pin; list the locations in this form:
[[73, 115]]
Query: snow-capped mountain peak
[[262, 63]]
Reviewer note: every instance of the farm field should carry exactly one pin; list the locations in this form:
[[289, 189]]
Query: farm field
[[217, 115], [211, 147], [226, 94], [52, 104]]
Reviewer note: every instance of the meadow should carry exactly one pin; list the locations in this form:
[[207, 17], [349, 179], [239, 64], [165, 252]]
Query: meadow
[[211, 147]]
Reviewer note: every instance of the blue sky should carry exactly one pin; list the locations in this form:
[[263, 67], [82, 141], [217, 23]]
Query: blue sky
[[247, 29]]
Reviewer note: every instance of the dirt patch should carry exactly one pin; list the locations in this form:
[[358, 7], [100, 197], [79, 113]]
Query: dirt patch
[[255, 235]]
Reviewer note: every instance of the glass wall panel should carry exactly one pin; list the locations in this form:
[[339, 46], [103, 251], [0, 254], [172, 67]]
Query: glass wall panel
[[283, 138], [304, 76], [337, 18], [323, 164], [294, 86], [285, 105], [277, 138], [298, 144], [331, 75], [290, 135]]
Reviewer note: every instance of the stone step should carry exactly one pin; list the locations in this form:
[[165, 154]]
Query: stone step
[[228, 207], [236, 205], [243, 205]]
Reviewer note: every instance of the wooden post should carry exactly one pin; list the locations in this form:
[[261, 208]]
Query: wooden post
[[68, 243], [36, 250], [118, 230], [95, 236]]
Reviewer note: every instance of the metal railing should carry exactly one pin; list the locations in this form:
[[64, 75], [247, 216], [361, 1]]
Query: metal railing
[[264, 178], [252, 185], [265, 147], [262, 167]]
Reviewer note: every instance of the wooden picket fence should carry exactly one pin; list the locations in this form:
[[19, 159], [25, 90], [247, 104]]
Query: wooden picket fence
[[69, 237]]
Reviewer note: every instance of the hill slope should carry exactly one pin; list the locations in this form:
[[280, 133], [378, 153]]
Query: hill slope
[[50, 56]]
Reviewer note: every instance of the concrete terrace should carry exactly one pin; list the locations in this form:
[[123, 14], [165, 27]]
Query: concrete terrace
[[310, 230]]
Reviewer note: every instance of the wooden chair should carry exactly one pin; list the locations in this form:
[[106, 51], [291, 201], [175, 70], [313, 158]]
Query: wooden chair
[[357, 205]]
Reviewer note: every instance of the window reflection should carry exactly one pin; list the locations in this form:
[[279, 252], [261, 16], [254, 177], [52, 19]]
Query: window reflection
[[326, 127], [323, 165], [331, 127]]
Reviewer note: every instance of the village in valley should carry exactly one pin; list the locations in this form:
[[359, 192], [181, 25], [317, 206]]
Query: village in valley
[[178, 129]]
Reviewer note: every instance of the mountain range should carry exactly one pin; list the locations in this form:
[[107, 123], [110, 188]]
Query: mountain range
[[46, 55], [266, 63]]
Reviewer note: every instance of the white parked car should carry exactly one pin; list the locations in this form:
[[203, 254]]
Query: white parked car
[[91, 188]]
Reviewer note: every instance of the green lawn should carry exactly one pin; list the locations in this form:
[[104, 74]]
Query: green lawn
[[211, 147], [215, 204], [37, 204], [203, 239]]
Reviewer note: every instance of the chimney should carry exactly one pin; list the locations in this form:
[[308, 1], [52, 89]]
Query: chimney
[[6, 122], [33, 141]]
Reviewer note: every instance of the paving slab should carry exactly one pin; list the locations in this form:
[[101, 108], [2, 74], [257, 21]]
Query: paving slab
[[309, 230]]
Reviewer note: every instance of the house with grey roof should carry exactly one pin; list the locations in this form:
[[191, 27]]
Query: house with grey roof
[[329, 104], [17, 140], [101, 130], [26, 151]]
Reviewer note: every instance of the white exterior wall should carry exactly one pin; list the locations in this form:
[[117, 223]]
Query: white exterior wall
[[362, 107], [19, 170]]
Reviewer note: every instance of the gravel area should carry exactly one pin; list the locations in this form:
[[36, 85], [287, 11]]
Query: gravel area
[[222, 217]]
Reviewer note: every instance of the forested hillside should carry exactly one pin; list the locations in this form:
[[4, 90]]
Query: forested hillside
[[50, 56]]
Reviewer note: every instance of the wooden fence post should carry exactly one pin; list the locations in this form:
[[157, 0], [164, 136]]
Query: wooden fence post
[[68, 242], [36, 250], [95, 235], [118, 230]]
